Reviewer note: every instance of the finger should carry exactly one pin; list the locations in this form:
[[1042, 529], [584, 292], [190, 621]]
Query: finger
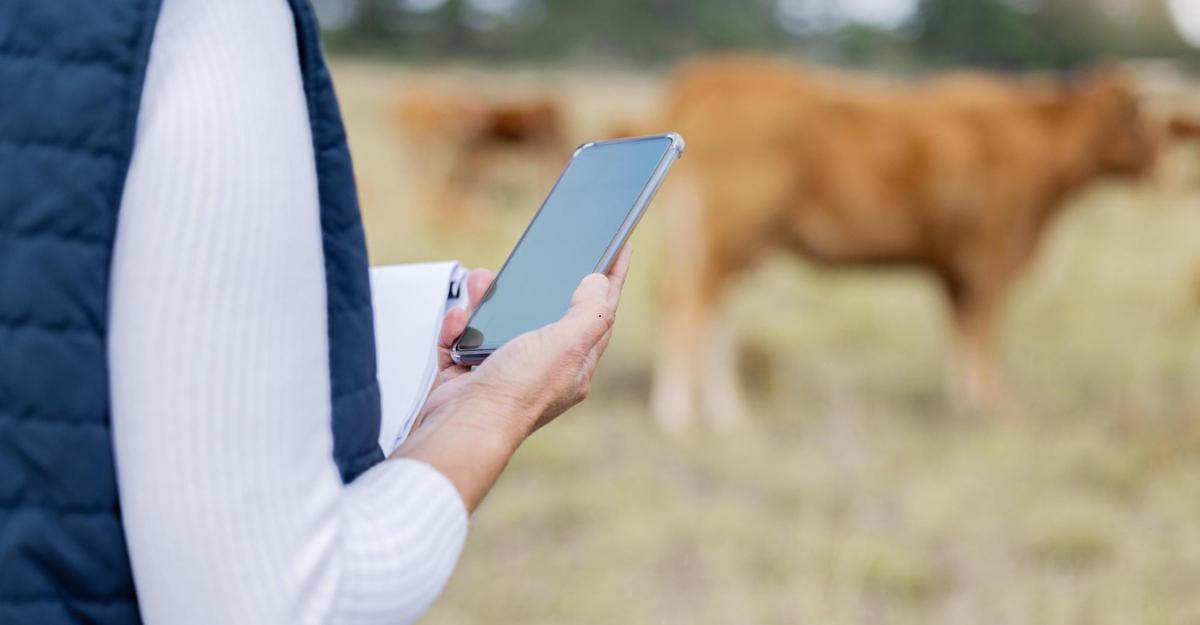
[[590, 315], [452, 327], [451, 372], [478, 282], [593, 289], [618, 273]]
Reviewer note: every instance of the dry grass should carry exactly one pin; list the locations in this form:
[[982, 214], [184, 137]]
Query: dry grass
[[854, 496]]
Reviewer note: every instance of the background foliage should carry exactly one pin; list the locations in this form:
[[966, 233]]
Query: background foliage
[[906, 33]]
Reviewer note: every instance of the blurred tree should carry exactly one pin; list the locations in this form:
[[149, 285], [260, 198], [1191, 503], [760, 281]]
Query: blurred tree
[[1056, 33], [989, 32], [995, 33]]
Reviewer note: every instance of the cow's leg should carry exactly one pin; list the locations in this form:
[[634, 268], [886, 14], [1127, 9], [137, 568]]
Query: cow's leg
[[687, 286], [976, 381], [462, 192], [680, 342], [697, 359], [721, 397], [443, 192]]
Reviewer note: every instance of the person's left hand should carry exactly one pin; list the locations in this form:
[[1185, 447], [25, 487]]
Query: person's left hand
[[475, 419]]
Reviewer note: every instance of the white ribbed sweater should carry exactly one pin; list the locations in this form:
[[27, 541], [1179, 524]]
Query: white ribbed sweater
[[233, 509]]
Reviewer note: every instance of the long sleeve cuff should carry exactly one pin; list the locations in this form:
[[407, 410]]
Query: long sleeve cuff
[[405, 525]]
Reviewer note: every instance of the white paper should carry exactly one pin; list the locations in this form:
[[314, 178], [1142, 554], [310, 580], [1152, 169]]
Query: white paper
[[410, 302]]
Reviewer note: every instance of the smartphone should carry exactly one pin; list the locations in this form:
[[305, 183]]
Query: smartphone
[[579, 229]]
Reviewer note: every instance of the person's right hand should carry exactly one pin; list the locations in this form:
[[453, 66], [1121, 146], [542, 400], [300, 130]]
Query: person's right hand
[[539, 375]]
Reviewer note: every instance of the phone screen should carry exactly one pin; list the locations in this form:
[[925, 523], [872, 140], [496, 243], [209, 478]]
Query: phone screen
[[567, 239]]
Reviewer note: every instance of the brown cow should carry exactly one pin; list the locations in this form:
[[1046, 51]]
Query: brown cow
[[957, 176], [456, 139]]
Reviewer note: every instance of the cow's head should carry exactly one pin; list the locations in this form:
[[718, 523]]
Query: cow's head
[[1124, 139]]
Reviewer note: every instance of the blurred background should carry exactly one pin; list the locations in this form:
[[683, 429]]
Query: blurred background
[[855, 489]]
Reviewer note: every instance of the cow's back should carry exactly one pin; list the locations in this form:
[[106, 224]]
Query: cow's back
[[851, 169]]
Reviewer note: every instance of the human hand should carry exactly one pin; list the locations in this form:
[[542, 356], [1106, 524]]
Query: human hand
[[538, 375], [474, 420]]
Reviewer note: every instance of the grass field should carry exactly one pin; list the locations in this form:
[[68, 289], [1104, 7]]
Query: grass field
[[854, 495]]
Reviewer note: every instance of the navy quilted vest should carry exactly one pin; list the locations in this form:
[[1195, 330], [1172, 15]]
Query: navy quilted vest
[[71, 75]]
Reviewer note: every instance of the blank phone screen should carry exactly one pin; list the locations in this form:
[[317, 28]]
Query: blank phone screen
[[566, 241]]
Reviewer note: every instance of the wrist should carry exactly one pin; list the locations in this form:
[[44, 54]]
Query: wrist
[[468, 441], [501, 420]]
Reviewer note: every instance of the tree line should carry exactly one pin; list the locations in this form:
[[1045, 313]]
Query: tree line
[[1004, 34]]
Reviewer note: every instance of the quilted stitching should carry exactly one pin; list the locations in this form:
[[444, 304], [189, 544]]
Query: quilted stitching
[[62, 550], [355, 401], [64, 149], [57, 480], [37, 56]]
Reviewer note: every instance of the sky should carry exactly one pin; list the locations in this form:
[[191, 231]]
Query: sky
[[882, 13], [803, 17], [1186, 14]]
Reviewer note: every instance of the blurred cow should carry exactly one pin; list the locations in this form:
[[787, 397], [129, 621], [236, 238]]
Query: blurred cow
[[957, 176], [456, 140], [1183, 127]]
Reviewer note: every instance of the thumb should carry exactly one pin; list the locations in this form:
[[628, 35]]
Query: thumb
[[590, 315], [594, 287]]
